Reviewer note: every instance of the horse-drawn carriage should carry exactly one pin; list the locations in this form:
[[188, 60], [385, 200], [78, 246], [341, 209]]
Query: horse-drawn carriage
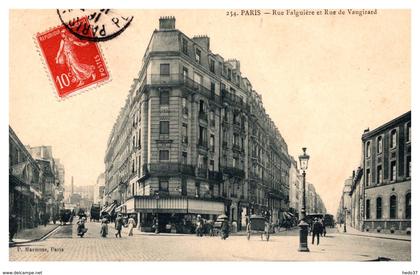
[[258, 224]]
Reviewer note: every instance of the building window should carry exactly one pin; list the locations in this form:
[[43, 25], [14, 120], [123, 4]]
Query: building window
[[379, 174], [408, 167], [184, 158], [184, 133], [408, 132], [164, 127], [164, 155], [198, 55], [379, 144], [184, 107], [408, 206], [164, 69], [367, 177], [367, 209], [368, 149], [184, 74], [393, 207], [379, 208], [184, 186], [211, 165], [197, 189], [185, 46], [212, 143], [212, 90], [393, 176], [202, 138], [164, 98], [212, 65], [164, 185], [393, 139], [212, 120]]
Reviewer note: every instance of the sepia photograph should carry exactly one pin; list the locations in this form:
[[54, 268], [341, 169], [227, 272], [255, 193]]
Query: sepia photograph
[[225, 135]]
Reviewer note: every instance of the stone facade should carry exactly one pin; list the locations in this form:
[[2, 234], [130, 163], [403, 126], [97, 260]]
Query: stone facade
[[193, 129]]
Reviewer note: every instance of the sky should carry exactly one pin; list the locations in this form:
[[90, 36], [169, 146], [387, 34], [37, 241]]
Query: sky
[[323, 80]]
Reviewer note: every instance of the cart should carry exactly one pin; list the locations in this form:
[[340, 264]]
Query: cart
[[258, 224], [217, 226]]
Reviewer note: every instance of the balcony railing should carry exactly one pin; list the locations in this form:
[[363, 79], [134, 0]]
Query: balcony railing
[[215, 175], [168, 168], [237, 148], [202, 172], [233, 171], [202, 115], [180, 79]]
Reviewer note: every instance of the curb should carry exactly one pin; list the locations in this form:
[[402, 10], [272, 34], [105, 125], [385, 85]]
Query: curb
[[13, 244], [374, 236]]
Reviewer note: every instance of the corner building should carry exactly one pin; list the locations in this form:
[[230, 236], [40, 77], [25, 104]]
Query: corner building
[[193, 138], [387, 176]]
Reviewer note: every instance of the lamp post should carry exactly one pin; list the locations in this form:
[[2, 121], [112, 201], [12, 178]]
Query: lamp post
[[345, 219], [303, 226]]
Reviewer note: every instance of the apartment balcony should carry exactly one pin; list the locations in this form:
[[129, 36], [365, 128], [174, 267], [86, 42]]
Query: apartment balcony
[[202, 116], [212, 123], [202, 144], [180, 79], [185, 111], [168, 169], [233, 172], [215, 176], [201, 173], [237, 148]]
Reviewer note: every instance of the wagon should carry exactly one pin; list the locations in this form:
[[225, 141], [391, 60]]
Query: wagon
[[258, 224]]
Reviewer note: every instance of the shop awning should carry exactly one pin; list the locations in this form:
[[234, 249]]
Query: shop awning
[[178, 205]]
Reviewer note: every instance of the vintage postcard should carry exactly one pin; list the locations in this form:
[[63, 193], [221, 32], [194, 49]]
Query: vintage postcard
[[210, 135]]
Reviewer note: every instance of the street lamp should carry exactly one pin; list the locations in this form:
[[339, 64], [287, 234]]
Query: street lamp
[[345, 219], [303, 226]]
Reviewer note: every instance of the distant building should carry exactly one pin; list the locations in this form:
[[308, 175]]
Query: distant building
[[295, 183], [99, 189]]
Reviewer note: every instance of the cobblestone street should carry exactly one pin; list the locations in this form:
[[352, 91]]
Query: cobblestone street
[[64, 245]]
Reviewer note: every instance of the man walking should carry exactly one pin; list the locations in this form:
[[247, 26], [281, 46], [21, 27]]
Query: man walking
[[316, 230], [118, 225]]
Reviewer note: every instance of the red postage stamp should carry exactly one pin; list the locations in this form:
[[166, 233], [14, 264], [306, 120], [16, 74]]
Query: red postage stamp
[[74, 64]]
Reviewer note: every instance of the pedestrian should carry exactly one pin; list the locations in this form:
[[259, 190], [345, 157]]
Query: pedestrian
[[316, 230], [131, 224], [324, 228], [81, 228], [118, 225], [13, 227], [104, 228], [155, 224], [225, 229], [199, 227]]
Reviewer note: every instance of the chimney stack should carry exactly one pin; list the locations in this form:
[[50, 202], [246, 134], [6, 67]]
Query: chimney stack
[[167, 23], [203, 41]]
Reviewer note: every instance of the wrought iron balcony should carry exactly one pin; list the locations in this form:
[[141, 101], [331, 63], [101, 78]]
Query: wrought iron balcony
[[202, 172], [215, 175], [233, 171], [202, 115], [168, 169], [180, 79]]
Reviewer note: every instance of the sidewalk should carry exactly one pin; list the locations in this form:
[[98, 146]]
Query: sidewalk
[[352, 231], [33, 234]]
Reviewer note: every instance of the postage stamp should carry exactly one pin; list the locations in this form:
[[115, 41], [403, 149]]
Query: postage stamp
[[73, 64], [102, 24]]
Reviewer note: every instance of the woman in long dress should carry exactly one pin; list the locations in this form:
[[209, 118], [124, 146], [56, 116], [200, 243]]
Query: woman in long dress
[[66, 55], [131, 224]]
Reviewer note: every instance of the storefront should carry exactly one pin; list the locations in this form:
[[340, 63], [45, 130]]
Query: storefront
[[174, 214]]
